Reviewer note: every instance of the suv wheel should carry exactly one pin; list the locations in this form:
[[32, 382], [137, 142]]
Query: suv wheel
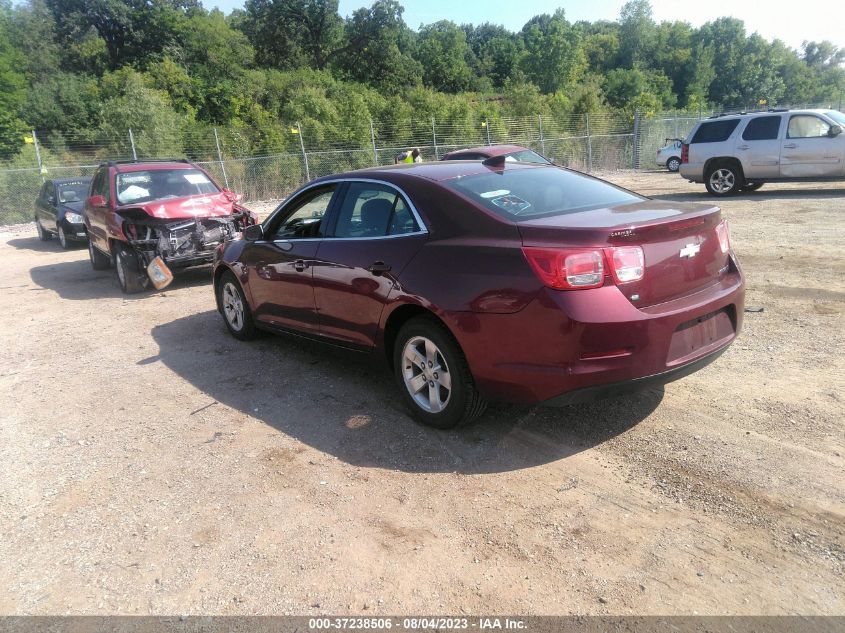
[[724, 179], [43, 235], [234, 308], [126, 267], [98, 260], [673, 164], [433, 375]]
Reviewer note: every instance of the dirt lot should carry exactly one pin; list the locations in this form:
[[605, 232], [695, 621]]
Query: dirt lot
[[153, 464]]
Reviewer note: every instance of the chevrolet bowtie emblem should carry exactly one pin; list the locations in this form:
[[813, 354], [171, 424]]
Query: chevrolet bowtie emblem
[[690, 250]]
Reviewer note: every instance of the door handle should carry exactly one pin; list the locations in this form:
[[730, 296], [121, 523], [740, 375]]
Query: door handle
[[790, 146], [300, 265], [743, 147], [379, 268]]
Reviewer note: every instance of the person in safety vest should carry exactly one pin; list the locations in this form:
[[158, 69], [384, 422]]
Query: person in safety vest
[[411, 156]]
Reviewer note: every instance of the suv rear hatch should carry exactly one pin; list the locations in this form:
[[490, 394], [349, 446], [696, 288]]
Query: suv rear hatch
[[684, 247]]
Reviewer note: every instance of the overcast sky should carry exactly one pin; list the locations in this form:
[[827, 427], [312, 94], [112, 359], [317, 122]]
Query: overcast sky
[[792, 22]]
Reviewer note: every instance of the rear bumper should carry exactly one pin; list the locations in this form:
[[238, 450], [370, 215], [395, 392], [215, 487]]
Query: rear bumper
[[692, 172], [611, 390], [596, 341]]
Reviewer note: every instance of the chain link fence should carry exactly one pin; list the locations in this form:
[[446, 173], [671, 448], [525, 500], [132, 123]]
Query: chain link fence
[[598, 142]]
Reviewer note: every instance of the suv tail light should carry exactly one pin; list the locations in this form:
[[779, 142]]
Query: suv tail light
[[684, 152], [567, 269], [575, 269], [724, 233]]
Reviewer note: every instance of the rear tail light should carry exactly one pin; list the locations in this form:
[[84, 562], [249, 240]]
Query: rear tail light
[[567, 269], [724, 233], [627, 263], [571, 269], [684, 153]]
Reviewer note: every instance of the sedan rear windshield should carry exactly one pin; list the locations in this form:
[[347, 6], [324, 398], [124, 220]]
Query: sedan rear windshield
[[521, 194], [160, 184]]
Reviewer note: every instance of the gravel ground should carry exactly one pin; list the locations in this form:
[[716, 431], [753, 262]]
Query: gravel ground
[[151, 464]]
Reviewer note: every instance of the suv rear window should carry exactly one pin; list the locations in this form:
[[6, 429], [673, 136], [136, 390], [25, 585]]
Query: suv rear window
[[763, 128], [715, 131], [522, 194]]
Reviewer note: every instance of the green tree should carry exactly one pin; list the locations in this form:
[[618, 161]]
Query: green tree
[[553, 56], [12, 88], [442, 51], [637, 34]]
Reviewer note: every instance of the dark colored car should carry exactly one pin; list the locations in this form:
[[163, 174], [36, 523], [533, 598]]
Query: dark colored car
[[58, 210], [145, 217], [490, 281], [512, 153]]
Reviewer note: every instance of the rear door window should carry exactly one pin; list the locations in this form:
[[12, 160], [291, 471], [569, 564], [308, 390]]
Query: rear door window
[[763, 128], [373, 210], [715, 131]]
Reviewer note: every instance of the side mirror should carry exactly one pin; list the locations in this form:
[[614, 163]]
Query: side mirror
[[253, 233], [835, 130], [97, 201]]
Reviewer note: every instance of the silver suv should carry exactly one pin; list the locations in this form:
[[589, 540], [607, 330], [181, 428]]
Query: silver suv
[[740, 152]]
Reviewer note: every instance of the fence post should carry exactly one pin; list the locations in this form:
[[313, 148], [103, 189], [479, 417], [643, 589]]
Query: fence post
[[589, 144], [636, 153], [132, 143], [373, 139], [304, 155], [434, 139], [41, 169], [487, 126], [542, 140], [220, 158]]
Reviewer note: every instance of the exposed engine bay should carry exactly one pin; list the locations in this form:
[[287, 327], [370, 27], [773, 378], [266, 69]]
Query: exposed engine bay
[[182, 242]]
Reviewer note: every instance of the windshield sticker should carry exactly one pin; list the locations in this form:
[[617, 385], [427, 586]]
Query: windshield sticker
[[196, 179], [493, 194], [127, 178], [511, 204]]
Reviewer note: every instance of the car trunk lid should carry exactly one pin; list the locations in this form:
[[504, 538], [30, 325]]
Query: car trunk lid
[[680, 244]]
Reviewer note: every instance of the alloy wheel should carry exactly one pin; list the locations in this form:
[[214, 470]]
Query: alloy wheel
[[722, 180], [62, 238], [426, 374], [233, 307]]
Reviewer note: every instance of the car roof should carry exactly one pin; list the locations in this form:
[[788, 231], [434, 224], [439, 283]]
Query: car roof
[[437, 171], [773, 112], [489, 150]]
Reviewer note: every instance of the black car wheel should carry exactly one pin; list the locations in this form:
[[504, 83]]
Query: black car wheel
[[99, 261], [128, 271], [235, 308], [43, 234], [724, 179], [433, 375], [673, 164], [63, 241]]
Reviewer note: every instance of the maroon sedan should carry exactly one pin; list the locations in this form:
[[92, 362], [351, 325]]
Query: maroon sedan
[[490, 281], [512, 153]]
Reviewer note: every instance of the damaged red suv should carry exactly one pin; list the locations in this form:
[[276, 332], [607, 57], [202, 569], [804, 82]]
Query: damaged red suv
[[490, 280], [146, 217]]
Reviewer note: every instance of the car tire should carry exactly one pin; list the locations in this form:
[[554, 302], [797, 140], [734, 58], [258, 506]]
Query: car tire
[[673, 164], [99, 261], [441, 399], [724, 179], [127, 270], [43, 234], [752, 186], [235, 309], [63, 241]]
